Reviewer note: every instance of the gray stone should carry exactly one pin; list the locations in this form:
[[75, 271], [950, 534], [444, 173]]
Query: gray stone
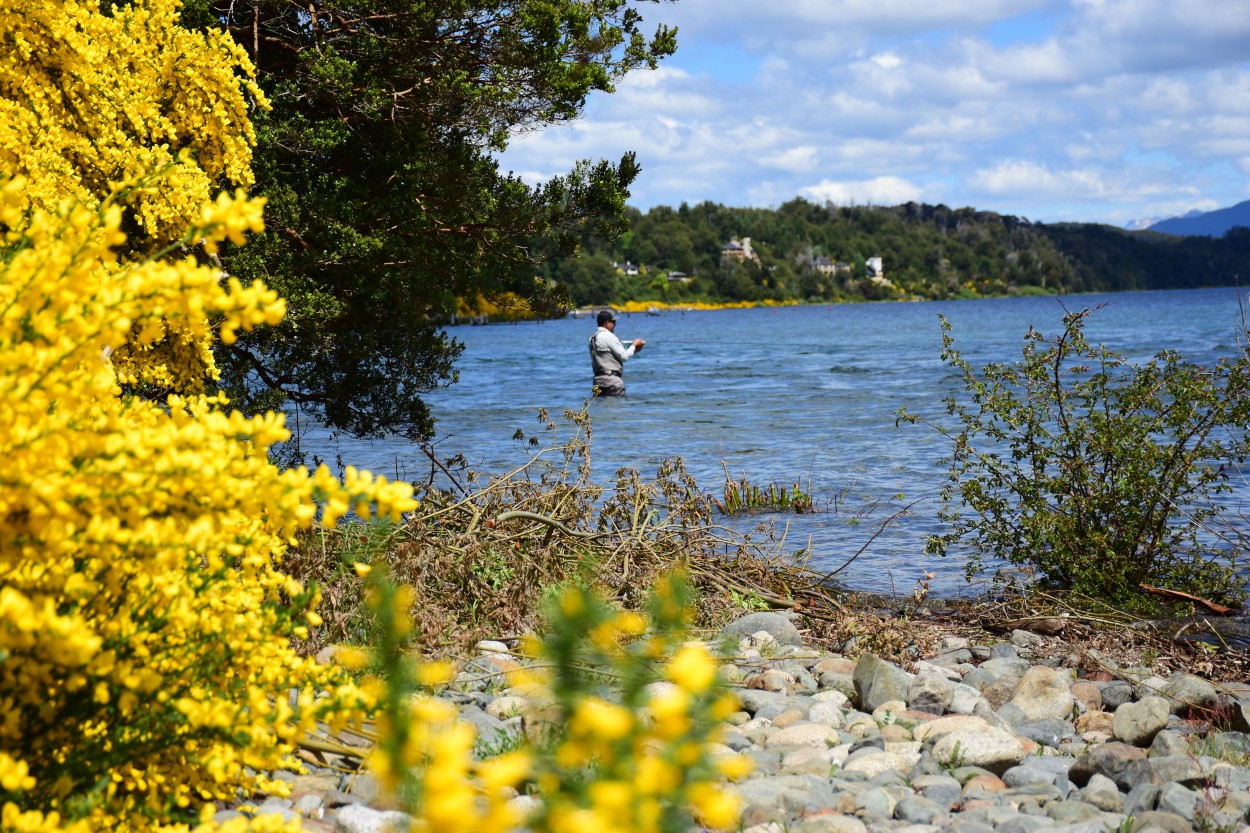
[[1072, 812], [1167, 822], [1103, 793], [275, 806], [963, 699], [1182, 769], [803, 734], [1125, 765], [872, 762], [490, 730], [1012, 715], [878, 682], [807, 760], [309, 804], [917, 809], [804, 681], [930, 692], [775, 624], [941, 789], [787, 792], [1239, 715], [752, 700], [737, 741], [1237, 804], [1228, 744], [1186, 691], [1000, 667], [771, 711], [1108, 800], [1047, 732], [1142, 798], [1004, 650], [991, 748], [1035, 770], [978, 678], [984, 712], [1025, 639], [1044, 692], [1146, 684], [827, 713], [837, 681], [875, 804], [949, 669], [1022, 823], [1138, 723], [831, 823], [357, 818], [1173, 798], [364, 786], [1115, 694], [1168, 743]]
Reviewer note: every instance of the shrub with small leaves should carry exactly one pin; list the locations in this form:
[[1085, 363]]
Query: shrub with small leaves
[[1095, 473]]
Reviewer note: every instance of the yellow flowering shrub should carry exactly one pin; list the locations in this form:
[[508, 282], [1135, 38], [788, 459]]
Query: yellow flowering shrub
[[145, 660], [90, 98], [623, 750]]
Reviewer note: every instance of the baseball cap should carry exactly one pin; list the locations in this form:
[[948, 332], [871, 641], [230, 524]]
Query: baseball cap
[[605, 315]]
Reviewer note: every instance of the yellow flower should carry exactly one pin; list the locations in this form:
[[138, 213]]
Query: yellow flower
[[714, 806], [692, 668], [507, 770], [671, 711], [734, 767], [601, 719]]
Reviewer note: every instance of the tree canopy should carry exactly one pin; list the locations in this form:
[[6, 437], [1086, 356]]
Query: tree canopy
[[805, 251], [386, 204]]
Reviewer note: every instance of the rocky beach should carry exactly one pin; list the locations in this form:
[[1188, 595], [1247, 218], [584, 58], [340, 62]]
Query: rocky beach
[[1006, 737]]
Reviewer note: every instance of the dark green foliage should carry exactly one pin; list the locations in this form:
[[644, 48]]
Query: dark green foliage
[[1094, 473], [385, 202], [928, 251]]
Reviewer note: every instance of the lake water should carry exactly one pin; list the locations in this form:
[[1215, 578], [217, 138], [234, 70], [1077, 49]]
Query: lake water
[[794, 394]]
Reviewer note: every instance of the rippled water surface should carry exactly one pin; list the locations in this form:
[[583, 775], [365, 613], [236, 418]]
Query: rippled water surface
[[806, 394]]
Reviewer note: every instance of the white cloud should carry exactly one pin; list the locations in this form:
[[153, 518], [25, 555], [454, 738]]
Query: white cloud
[[882, 190], [1118, 108]]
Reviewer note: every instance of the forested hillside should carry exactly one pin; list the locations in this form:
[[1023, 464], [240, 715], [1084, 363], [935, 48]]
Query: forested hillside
[[807, 252]]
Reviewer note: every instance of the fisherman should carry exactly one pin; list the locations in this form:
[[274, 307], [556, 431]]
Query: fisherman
[[607, 354]]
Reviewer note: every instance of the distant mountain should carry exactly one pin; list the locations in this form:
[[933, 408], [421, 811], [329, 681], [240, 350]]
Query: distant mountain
[[1210, 224]]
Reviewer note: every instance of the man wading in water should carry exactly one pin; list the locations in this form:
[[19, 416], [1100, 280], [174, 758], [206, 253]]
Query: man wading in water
[[607, 354]]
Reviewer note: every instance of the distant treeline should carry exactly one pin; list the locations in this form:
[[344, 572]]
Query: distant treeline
[[818, 253]]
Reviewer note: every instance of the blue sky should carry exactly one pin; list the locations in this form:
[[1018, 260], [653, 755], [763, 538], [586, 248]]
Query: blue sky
[[1087, 110]]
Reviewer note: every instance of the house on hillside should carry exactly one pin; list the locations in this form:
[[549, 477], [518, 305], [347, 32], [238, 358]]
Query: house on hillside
[[825, 266], [876, 269], [678, 277], [625, 268], [738, 250]]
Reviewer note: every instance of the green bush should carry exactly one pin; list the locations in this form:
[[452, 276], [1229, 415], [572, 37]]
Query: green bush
[[1093, 473]]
